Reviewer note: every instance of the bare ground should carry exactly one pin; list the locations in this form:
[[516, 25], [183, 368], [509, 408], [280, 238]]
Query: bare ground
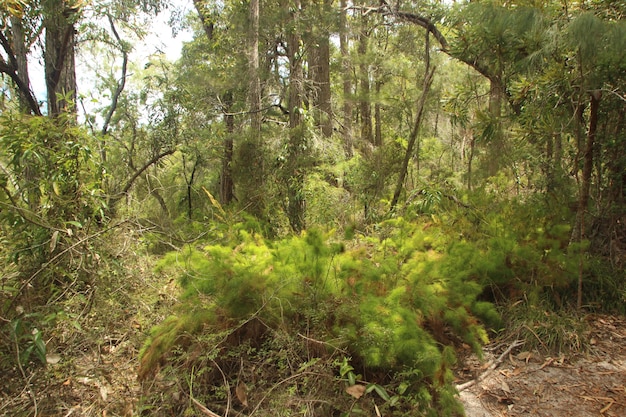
[[527, 383]]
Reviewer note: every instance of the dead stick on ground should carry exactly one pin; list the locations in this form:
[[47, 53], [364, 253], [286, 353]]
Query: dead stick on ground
[[203, 409], [491, 367]]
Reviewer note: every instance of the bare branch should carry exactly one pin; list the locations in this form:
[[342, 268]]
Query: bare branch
[[10, 68], [493, 365], [121, 83], [137, 173]]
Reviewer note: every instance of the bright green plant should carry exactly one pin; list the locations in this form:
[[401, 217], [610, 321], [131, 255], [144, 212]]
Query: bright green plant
[[387, 301]]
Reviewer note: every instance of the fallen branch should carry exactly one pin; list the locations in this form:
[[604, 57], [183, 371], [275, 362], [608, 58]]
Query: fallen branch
[[203, 409], [494, 364]]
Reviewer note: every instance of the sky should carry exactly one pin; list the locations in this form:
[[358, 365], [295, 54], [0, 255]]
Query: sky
[[159, 38]]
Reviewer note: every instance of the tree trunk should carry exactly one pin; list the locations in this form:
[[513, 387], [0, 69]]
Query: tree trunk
[[496, 144], [585, 185], [470, 159], [296, 147], [254, 94], [378, 133], [252, 184], [18, 42], [322, 74], [428, 78], [227, 186], [59, 62], [346, 81], [364, 87]]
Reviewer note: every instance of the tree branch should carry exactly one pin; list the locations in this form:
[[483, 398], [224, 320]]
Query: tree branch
[[386, 10], [10, 68], [137, 173], [491, 367], [120, 85], [207, 25]]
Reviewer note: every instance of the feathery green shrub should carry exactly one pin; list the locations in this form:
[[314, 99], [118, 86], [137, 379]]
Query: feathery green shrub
[[391, 302]]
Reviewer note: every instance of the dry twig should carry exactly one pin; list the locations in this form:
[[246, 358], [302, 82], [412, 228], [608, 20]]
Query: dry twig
[[492, 366]]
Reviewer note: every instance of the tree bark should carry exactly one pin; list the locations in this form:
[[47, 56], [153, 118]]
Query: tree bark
[[59, 57], [346, 81], [585, 185], [254, 94], [116, 94], [20, 50], [378, 132], [227, 186], [296, 201], [322, 73], [427, 82], [364, 87], [12, 68]]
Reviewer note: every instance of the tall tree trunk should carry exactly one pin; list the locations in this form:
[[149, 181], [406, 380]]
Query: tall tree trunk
[[252, 184], [59, 57], [296, 147], [470, 159], [18, 42], [496, 144], [254, 93], [227, 186], [322, 73], [16, 65], [346, 80], [364, 87], [585, 184], [378, 132], [427, 82]]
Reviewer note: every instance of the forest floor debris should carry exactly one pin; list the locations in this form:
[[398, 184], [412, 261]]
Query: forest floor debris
[[96, 374], [529, 383]]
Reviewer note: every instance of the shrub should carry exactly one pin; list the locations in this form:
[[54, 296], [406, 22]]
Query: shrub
[[388, 302]]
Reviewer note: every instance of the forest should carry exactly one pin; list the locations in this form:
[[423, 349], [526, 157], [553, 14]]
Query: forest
[[319, 208]]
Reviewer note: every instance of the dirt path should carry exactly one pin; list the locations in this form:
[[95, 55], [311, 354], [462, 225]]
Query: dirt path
[[531, 384]]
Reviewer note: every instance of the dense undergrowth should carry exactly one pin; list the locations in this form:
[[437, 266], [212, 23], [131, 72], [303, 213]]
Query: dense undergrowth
[[364, 321], [321, 316]]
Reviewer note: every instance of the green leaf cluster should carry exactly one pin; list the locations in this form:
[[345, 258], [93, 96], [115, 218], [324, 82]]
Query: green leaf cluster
[[391, 301]]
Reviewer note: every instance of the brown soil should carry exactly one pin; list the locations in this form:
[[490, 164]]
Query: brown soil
[[527, 383]]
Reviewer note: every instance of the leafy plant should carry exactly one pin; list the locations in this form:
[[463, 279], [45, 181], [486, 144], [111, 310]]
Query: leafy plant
[[27, 340], [389, 302]]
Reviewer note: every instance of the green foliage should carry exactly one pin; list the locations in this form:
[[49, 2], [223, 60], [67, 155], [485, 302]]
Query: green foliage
[[49, 189], [50, 201], [389, 301], [27, 340]]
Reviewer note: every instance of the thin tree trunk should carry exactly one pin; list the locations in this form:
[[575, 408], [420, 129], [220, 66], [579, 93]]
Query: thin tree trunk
[[227, 187], [470, 159], [346, 81], [585, 186], [294, 171], [116, 94], [378, 133], [364, 87], [428, 78], [496, 143]]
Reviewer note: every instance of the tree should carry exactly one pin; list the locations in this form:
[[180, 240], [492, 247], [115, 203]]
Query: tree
[[297, 146]]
